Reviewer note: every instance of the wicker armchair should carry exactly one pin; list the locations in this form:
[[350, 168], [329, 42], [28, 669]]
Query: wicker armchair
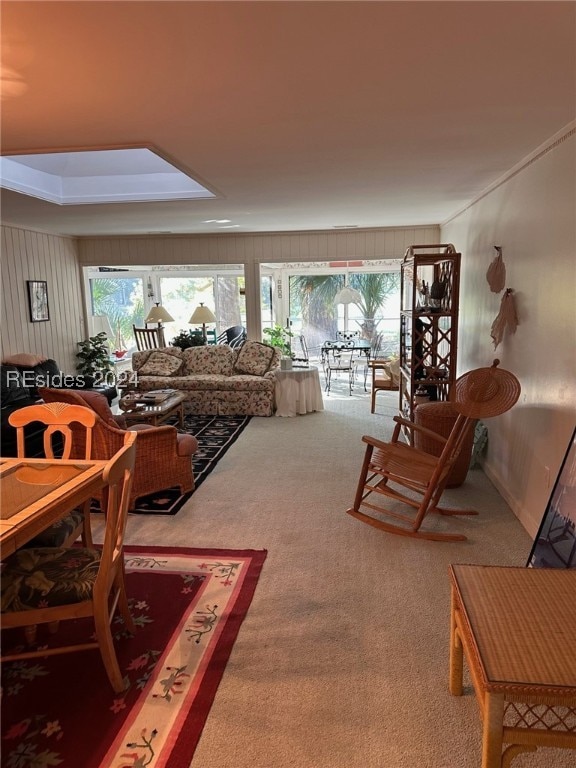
[[163, 457]]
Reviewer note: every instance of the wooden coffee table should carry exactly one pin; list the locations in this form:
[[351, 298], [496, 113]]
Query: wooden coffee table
[[158, 414]]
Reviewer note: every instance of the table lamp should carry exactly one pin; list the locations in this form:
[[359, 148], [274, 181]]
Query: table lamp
[[159, 315], [347, 295], [201, 316]]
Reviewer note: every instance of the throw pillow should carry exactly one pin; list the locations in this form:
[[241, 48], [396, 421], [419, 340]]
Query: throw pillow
[[161, 364], [98, 403], [254, 358]]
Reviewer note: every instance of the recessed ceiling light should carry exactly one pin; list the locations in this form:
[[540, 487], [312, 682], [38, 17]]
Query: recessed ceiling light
[[217, 221]]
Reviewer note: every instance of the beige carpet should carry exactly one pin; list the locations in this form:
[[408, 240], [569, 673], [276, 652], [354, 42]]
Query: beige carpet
[[342, 661]]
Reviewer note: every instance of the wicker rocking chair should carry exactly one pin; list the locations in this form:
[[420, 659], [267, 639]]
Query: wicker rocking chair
[[398, 471]]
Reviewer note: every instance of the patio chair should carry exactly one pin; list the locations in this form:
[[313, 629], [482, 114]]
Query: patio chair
[[340, 361], [234, 336], [58, 443], [46, 585], [385, 377], [397, 470], [163, 456], [301, 357]]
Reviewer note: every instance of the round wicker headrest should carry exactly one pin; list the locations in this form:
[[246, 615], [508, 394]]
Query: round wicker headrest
[[485, 392]]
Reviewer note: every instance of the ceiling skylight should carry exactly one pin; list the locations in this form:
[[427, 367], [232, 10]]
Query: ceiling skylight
[[98, 176]]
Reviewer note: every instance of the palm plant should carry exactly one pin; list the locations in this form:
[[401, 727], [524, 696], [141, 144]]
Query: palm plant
[[316, 294], [105, 302], [374, 288]]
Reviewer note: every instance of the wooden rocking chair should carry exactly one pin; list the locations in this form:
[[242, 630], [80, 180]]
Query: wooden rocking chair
[[417, 479], [149, 338]]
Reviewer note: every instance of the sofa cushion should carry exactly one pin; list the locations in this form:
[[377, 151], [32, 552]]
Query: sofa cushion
[[218, 360], [244, 382], [161, 364], [254, 358], [140, 358]]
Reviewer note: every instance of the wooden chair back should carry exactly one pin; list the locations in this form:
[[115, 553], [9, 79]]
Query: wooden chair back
[[118, 476], [58, 418], [149, 338], [382, 379]]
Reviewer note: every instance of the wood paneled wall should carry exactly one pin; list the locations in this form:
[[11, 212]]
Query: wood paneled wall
[[253, 248], [30, 255]]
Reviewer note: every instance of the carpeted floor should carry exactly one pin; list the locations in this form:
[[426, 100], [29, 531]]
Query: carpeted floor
[[215, 435], [342, 661], [188, 606]]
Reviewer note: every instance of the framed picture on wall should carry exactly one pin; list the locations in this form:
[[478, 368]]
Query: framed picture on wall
[[38, 300], [555, 543]]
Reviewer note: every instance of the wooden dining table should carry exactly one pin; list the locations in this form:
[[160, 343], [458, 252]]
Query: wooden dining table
[[34, 493]]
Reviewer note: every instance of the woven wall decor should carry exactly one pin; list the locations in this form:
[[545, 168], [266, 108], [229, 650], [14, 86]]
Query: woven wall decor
[[507, 318], [496, 274]]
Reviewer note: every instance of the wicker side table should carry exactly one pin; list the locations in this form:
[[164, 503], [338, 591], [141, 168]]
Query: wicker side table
[[516, 628]]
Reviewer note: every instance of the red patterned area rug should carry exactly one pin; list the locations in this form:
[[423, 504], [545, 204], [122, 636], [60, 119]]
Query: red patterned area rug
[[188, 605]]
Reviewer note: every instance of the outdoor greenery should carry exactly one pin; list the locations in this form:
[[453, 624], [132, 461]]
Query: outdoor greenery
[[121, 300], [187, 339], [94, 356], [315, 295], [277, 336]]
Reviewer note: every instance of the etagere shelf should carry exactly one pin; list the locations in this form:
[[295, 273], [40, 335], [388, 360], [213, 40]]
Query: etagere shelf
[[430, 282]]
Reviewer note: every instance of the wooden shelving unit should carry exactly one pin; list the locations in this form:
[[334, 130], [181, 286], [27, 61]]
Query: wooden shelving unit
[[430, 283]]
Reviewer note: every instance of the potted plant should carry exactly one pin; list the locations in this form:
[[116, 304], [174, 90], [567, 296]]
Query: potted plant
[[277, 336], [94, 358], [187, 339]]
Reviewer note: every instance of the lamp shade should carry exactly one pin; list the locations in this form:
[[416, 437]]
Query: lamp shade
[[347, 295], [202, 315], [159, 315]]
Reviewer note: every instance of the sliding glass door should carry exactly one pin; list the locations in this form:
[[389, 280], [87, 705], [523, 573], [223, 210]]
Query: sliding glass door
[[121, 300]]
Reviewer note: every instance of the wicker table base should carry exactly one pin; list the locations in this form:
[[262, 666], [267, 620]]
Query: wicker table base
[[516, 627]]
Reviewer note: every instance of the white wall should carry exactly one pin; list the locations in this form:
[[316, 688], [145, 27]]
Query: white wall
[[532, 216], [34, 256]]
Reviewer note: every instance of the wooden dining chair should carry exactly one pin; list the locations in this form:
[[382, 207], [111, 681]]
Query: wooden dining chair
[[385, 377], [59, 419], [149, 338], [46, 585], [397, 470]]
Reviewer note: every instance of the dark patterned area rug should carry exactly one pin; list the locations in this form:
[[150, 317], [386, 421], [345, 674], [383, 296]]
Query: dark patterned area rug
[[188, 606], [215, 434]]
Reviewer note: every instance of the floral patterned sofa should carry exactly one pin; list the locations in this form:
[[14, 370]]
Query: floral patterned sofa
[[217, 380]]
